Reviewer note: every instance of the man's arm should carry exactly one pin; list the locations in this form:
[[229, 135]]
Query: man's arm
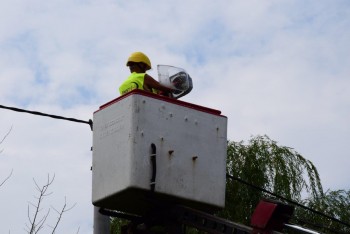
[[153, 84]]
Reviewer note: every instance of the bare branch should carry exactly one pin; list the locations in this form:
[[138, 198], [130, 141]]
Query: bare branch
[[44, 188], [1, 141], [60, 213], [42, 222], [30, 220], [6, 135], [36, 223], [8, 177]]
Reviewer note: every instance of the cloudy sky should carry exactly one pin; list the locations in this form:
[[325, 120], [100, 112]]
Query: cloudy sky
[[273, 67]]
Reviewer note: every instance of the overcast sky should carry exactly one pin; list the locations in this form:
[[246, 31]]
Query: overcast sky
[[272, 67]]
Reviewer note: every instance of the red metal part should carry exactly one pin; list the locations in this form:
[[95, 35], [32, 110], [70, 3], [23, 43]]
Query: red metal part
[[270, 216]]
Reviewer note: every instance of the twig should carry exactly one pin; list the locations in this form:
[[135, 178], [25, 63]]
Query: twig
[[8, 132], [60, 213], [8, 177], [3, 139], [36, 225]]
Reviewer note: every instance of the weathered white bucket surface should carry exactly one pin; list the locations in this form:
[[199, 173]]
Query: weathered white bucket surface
[[191, 144]]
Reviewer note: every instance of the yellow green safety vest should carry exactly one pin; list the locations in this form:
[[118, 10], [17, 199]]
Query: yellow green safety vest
[[134, 81]]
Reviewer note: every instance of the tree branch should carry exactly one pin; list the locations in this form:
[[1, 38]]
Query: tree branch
[[2, 140], [60, 213], [8, 133], [36, 225], [8, 177]]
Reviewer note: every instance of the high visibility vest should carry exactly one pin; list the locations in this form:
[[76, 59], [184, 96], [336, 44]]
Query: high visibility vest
[[134, 81]]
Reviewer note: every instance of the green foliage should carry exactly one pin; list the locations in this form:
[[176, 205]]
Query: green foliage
[[335, 204], [116, 225], [283, 171], [278, 169], [265, 164]]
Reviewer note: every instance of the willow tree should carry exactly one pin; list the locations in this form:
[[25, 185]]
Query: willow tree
[[266, 165], [335, 204]]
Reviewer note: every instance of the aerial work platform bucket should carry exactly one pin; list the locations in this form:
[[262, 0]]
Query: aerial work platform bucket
[[150, 148]]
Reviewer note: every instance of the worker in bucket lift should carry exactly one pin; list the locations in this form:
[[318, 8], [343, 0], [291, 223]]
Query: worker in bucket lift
[[138, 64]]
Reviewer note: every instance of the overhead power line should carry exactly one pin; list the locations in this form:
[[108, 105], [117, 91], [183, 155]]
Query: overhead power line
[[287, 200], [89, 122]]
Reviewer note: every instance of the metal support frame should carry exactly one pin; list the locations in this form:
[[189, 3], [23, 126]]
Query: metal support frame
[[174, 219]]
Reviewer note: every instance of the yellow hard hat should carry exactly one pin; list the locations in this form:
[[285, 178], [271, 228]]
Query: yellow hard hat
[[139, 57]]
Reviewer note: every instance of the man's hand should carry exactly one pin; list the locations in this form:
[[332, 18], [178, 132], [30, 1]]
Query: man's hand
[[166, 94]]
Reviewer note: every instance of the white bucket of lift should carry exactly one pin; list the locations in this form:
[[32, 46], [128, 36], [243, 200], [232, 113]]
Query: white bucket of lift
[[191, 144]]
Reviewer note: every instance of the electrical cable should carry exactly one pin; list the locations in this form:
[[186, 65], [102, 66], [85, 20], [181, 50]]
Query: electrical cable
[[288, 200], [90, 123], [154, 166]]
